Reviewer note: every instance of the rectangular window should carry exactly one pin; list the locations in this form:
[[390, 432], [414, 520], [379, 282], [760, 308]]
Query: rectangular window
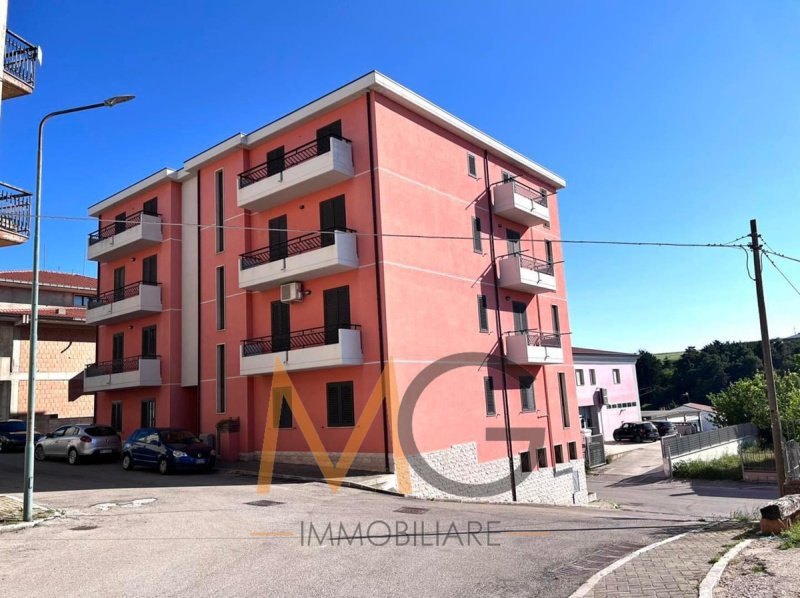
[[525, 462], [562, 389], [282, 407], [488, 390], [579, 377], [526, 393], [592, 377], [332, 217], [483, 314], [119, 283], [148, 413], [275, 161], [520, 310], [116, 415], [559, 453], [556, 319], [341, 411], [541, 457], [220, 297], [616, 376], [151, 207], [472, 165], [477, 242], [219, 211], [548, 251], [120, 223], [325, 133], [507, 176], [222, 386], [150, 269], [513, 240], [336, 312], [117, 352], [149, 341], [573, 450]]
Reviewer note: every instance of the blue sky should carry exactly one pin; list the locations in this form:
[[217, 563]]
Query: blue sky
[[671, 121]]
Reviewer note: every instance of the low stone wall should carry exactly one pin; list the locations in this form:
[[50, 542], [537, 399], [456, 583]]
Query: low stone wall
[[706, 454]]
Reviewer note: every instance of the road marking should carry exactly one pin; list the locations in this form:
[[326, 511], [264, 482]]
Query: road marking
[[273, 534], [715, 573]]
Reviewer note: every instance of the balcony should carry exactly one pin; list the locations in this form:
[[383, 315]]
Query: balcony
[[303, 258], [531, 347], [137, 231], [299, 172], [131, 372], [19, 66], [520, 203], [530, 275], [131, 301], [15, 209], [311, 349]]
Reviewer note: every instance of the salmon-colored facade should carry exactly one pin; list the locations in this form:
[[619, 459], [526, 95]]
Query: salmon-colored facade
[[442, 249]]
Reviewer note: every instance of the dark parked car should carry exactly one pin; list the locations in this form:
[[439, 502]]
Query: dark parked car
[[665, 428], [166, 449], [636, 432], [12, 435]]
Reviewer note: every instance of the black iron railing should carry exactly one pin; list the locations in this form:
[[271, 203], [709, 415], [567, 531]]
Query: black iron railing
[[534, 338], [116, 366], [15, 210], [117, 227], [295, 246], [532, 263], [300, 339], [19, 59], [298, 155], [118, 294], [535, 195]]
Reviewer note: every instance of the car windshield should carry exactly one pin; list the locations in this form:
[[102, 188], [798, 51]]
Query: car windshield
[[12, 427], [178, 437], [101, 431]]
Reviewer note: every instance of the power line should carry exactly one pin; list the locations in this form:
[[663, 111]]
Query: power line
[[786, 278], [786, 257]]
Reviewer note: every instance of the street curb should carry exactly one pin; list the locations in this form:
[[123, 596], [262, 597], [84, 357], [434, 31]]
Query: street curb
[[12, 527], [299, 478], [715, 573]]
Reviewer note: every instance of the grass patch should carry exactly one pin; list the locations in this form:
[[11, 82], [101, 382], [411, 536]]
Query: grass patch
[[790, 538], [721, 468], [722, 551]]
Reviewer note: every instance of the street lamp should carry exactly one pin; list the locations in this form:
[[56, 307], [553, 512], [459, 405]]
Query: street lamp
[[27, 509]]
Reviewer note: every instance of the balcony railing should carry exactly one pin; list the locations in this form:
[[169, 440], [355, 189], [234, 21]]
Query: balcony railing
[[116, 366], [535, 195], [301, 339], [19, 59], [15, 210], [118, 227], [532, 263], [295, 246], [534, 338], [291, 158], [119, 294]]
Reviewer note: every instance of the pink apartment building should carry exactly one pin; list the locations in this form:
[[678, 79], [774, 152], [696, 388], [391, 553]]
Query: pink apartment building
[[368, 227]]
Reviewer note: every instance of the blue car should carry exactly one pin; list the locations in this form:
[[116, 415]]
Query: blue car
[[166, 449], [12, 435]]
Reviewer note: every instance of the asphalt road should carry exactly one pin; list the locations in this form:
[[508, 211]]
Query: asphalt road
[[200, 534]]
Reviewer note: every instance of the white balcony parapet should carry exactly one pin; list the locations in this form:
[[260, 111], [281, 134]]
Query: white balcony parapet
[[138, 231], [312, 349], [131, 301], [522, 273], [520, 203], [303, 258], [131, 372], [301, 171], [534, 348]]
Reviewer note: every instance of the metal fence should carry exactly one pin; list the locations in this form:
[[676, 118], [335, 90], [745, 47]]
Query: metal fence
[[595, 451], [674, 446]]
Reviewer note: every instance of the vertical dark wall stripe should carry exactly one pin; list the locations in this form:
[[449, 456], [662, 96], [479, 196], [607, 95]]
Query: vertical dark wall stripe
[[199, 309]]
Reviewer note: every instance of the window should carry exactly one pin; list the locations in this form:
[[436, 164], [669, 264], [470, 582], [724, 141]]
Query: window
[[336, 312], [526, 393], [488, 390], [119, 283], [117, 352], [120, 223], [483, 314], [116, 415], [559, 453], [592, 377], [525, 462], [149, 342], [556, 319], [507, 176], [579, 377], [220, 297], [80, 300], [325, 133], [541, 457], [520, 316], [513, 241], [222, 398], [151, 207], [573, 450], [477, 243], [150, 269], [543, 195], [472, 165], [148, 413], [341, 412], [548, 251], [219, 210], [615, 375], [562, 389], [282, 407], [275, 161], [332, 217]]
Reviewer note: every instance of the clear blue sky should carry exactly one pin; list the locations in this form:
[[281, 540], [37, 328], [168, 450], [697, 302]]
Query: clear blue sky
[[671, 121]]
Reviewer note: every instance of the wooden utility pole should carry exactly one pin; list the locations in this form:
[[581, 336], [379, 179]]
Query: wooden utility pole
[[769, 374]]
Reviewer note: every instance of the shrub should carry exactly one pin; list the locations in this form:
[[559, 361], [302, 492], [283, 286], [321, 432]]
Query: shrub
[[721, 468]]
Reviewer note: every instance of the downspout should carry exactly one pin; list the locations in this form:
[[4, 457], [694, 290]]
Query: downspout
[[378, 292], [504, 388], [199, 318], [96, 344]]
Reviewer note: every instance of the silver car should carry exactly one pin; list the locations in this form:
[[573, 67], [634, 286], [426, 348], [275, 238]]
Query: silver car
[[77, 441]]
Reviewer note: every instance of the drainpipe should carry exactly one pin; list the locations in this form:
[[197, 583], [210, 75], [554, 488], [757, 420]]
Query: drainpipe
[[199, 318], [504, 388]]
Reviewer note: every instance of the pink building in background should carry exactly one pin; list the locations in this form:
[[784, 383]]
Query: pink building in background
[[366, 227], [608, 391]]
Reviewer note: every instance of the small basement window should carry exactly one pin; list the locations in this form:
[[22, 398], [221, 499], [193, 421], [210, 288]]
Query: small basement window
[[525, 461]]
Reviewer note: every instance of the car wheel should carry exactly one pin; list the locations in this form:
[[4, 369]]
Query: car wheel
[[72, 457], [127, 462], [38, 453], [163, 467], [616, 438]]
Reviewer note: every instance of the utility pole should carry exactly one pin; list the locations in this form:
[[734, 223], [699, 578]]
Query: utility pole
[[769, 374]]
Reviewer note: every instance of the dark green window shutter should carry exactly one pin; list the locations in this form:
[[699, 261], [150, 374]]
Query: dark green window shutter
[[477, 243], [488, 387], [483, 316]]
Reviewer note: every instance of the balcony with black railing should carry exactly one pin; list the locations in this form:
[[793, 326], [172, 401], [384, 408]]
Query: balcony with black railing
[[15, 210], [534, 347], [310, 167], [124, 303], [121, 237], [19, 66], [519, 272], [521, 203], [129, 372], [308, 349], [303, 258]]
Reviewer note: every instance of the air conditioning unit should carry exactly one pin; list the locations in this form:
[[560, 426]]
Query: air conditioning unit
[[292, 292], [604, 395]]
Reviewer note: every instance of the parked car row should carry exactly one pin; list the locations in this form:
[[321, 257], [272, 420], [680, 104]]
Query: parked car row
[[13, 435], [637, 432]]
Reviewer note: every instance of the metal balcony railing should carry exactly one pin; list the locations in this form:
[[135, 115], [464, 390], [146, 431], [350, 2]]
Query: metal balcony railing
[[534, 338], [298, 155], [119, 294], [116, 366], [118, 227], [535, 195], [19, 59], [15, 210], [300, 339], [295, 246], [532, 263]]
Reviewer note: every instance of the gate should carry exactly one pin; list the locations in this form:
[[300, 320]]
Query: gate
[[595, 450]]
